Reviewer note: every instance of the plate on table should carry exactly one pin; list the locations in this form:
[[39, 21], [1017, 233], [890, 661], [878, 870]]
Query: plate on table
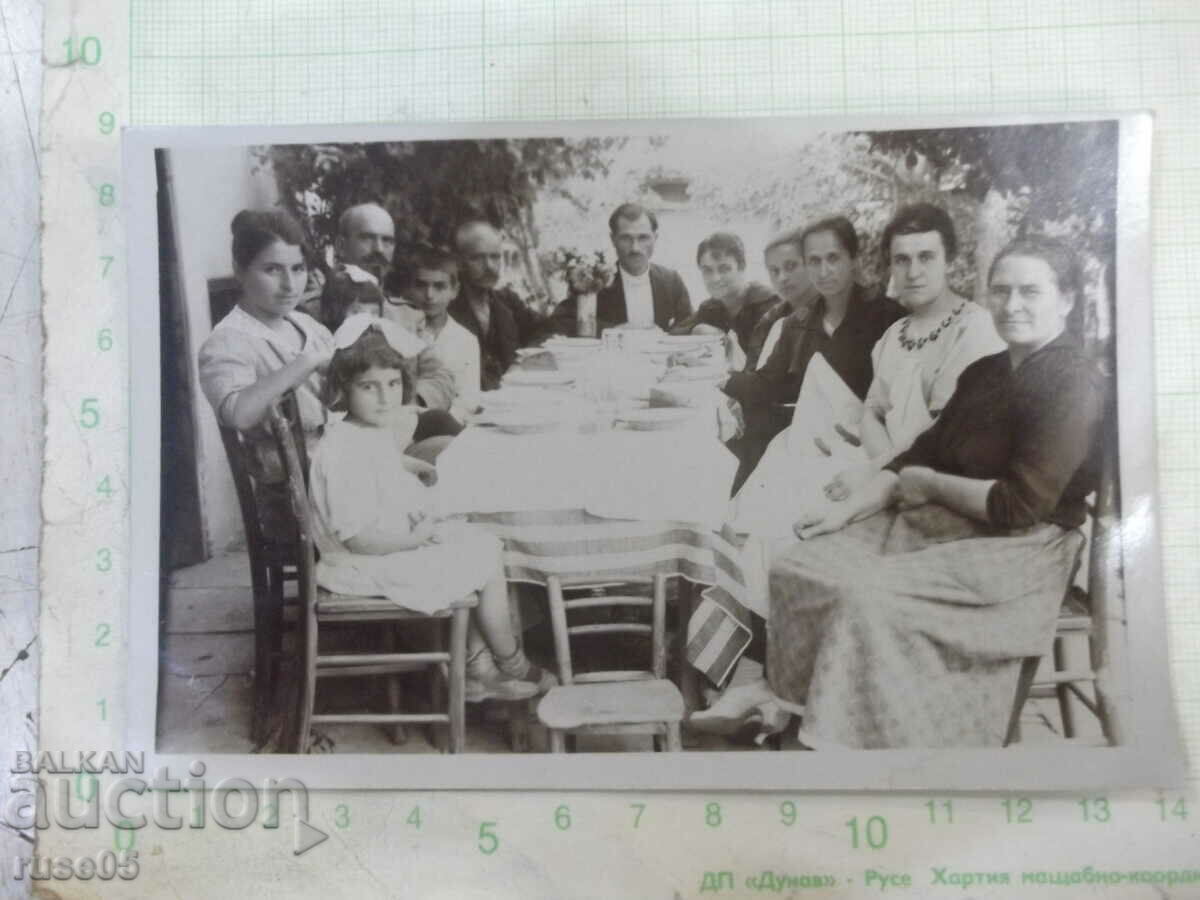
[[656, 419], [537, 378], [520, 424], [506, 398], [694, 373], [571, 343], [689, 340], [572, 356], [658, 356]]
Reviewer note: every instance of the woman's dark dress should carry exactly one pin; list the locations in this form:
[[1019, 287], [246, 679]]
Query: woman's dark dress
[[906, 629]]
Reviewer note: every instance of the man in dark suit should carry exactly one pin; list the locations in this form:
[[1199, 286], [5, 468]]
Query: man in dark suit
[[643, 293], [497, 317]]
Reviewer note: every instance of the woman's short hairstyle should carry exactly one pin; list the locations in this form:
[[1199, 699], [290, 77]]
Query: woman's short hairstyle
[[631, 212], [793, 236], [917, 218], [1055, 253], [256, 229], [723, 243], [341, 292], [370, 350], [840, 227]]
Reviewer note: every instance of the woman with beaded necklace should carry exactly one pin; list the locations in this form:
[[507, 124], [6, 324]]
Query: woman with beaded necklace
[[918, 360], [837, 442], [903, 613], [915, 365]]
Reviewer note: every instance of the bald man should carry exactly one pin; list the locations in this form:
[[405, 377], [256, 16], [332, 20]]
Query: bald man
[[367, 238], [497, 317]]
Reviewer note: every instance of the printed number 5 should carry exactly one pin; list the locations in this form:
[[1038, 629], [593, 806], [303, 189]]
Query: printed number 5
[[488, 842], [89, 412]]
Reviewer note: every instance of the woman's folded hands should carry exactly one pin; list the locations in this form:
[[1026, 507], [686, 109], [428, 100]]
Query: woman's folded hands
[[914, 486], [877, 491], [822, 519], [849, 480]]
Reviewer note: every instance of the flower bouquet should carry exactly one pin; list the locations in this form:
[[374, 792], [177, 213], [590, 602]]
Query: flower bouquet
[[584, 274]]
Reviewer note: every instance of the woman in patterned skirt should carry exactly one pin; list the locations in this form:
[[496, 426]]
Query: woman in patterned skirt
[[901, 617]]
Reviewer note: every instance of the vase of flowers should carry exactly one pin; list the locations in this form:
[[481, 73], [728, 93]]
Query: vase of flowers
[[584, 274]]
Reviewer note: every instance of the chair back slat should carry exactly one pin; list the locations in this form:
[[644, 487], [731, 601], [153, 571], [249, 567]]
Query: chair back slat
[[563, 632], [235, 453], [289, 454], [591, 602], [588, 583], [614, 628], [289, 406], [1106, 596]]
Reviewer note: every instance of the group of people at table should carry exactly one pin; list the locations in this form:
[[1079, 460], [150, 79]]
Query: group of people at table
[[912, 470]]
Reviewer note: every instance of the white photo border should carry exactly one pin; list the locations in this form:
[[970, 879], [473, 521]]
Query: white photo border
[[1152, 757]]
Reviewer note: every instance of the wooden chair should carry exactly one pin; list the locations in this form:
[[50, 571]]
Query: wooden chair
[[638, 701], [319, 607], [1094, 617], [272, 565]]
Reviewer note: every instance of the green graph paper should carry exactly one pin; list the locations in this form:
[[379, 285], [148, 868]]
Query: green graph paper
[[224, 62]]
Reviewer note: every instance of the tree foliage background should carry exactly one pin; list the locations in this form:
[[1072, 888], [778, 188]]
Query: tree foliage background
[[996, 182], [430, 187]]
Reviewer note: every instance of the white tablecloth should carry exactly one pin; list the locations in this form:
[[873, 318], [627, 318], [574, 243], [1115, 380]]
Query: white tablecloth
[[679, 475]]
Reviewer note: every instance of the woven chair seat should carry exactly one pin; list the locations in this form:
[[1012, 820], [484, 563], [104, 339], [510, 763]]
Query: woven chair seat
[[331, 604], [611, 703]]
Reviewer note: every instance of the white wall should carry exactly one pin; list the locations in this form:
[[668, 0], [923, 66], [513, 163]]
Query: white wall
[[210, 186]]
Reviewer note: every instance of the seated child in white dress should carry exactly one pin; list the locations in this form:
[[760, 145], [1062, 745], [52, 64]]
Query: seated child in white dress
[[378, 535]]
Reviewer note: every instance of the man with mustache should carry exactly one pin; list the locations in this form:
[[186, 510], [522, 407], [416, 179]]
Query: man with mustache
[[367, 238], [643, 294], [498, 318]]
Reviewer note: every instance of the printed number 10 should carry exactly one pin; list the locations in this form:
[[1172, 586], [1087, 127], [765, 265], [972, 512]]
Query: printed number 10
[[876, 832], [88, 53]]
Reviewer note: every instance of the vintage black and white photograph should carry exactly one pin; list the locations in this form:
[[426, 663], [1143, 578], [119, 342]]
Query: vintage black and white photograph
[[700, 439]]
